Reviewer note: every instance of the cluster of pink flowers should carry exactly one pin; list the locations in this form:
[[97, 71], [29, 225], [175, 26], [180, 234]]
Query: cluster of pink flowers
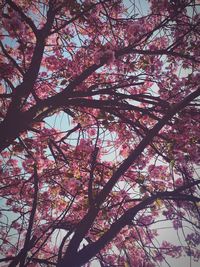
[[85, 146], [14, 24], [107, 53], [134, 30], [6, 70], [145, 220]]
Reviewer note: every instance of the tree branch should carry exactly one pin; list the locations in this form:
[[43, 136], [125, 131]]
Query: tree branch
[[89, 251], [28, 243], [87, 221], [23, 16]]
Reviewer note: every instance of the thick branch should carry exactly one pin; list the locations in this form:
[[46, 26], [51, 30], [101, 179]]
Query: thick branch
[[92, 249], [88, 220], [23, 16], [15, 121], [11, 59], [143, 144]]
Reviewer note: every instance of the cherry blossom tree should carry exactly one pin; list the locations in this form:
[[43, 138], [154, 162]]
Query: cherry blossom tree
[[99, 131]]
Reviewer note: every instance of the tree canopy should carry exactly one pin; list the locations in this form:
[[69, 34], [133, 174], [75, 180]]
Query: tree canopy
[[99, 132]]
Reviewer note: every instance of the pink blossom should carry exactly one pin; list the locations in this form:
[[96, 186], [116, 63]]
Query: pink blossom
[[110, 56], [145, 220], [97, 57]]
